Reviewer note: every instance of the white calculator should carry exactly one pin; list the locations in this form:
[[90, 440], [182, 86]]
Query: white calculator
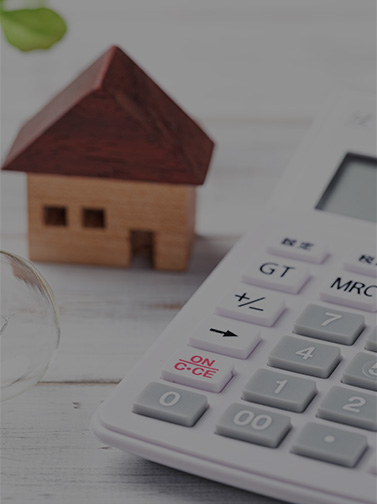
[[266, 380]]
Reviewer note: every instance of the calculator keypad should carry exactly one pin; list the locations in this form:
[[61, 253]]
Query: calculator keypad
[[306, 357], [330, 444], [280, 390], [253, 425], [281, 275], [330, 325], [200, 369], [362, 371], [252, 305], [349, 407], [170, 404], [231, 335]]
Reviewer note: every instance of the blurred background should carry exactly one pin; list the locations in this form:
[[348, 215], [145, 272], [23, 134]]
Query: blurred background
[[252, 72]]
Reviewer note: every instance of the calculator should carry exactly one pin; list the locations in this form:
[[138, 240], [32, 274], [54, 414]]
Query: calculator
[[266, 379]]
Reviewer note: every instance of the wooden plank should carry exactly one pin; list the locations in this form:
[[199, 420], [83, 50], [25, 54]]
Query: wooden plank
[[49, 456]]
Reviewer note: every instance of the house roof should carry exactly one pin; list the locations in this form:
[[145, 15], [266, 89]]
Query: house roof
[[113, 121]]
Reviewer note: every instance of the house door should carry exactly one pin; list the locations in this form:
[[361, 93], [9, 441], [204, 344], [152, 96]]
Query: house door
[[142, 244]]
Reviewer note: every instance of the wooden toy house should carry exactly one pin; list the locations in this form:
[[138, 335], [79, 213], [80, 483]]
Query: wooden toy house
[[112, 167]]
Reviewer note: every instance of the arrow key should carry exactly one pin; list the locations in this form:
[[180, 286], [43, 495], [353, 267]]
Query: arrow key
[[227, 337]]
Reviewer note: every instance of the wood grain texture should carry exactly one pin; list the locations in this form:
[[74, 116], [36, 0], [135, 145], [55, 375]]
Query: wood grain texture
[[113, 122], [166, 210], [47, 466]]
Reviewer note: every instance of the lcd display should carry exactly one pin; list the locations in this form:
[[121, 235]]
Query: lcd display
[[353, 189]]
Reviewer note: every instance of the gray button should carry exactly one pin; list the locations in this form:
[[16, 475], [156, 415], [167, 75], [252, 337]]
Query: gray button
[[349, 407], [362, 371], [330, 444], [371, 343], [253, 425], [328, 324], [373, 465], [302, 356], [280, 390], [170, 404]]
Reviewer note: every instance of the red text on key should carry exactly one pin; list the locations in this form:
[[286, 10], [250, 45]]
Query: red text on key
[[198, 366]]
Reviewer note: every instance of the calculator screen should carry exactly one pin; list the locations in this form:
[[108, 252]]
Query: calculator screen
[[353, 189]]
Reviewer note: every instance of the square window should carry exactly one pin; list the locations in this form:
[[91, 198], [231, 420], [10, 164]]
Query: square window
[[55, 216], [93, 218]]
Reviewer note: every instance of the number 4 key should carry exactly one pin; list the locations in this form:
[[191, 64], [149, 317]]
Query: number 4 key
[[294, 354]]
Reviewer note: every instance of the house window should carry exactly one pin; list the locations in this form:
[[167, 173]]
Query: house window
[[55, 216], [93, 218]]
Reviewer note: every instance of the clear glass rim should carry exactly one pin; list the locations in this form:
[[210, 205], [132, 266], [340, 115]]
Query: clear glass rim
[[43, 281]]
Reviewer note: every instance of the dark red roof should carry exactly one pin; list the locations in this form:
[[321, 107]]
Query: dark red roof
[[113, 121]]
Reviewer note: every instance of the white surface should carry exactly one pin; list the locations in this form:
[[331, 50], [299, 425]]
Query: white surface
[[200, 450], [369, 267], [303, 249], [254, 73]]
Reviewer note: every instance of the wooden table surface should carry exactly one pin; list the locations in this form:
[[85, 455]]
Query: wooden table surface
[[254, 73]]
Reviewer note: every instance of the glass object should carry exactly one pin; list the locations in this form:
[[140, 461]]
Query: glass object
[[29, 325]]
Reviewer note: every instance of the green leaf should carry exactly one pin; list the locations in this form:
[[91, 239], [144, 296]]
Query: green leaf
[[29, 29]]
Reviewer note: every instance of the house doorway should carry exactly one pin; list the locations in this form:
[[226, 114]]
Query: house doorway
[[142, 244]]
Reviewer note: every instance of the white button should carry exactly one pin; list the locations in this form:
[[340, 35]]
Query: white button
[[300, 248], [199, 369], [228, 337], [252, 305], [350, 290], [358, 262], [275, 274]]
